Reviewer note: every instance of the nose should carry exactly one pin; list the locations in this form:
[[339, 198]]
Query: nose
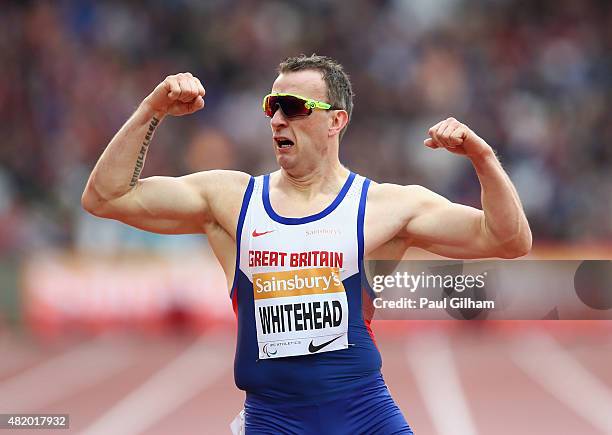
[[278, 120]]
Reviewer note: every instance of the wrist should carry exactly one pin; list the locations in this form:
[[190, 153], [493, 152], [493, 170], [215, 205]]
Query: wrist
[[148, 111], [485, 157]]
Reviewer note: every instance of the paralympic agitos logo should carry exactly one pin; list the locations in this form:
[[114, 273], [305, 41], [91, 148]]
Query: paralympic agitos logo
[[270, 349], [266, 350]]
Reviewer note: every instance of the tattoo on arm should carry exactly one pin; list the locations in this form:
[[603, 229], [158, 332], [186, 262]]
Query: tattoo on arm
[[143, 151]]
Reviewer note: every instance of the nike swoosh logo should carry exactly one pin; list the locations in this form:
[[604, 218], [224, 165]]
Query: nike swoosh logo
[[312, 348], [256, 234]]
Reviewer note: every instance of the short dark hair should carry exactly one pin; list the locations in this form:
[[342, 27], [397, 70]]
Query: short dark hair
[[339, 89]]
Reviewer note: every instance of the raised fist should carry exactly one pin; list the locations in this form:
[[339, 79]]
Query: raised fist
[[179, 94], [456, 138]]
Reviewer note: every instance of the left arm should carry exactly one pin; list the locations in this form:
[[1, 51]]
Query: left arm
[[500, 229]]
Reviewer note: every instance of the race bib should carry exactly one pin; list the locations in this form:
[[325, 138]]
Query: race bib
[[300, 312]]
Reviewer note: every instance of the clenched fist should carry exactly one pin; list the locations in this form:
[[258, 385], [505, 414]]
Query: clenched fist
[[456, 138], [179, 94]]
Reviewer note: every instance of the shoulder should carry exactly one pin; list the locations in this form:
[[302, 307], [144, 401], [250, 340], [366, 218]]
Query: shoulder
[[220, 190], [388, 193], [218, 181], [387, 200]]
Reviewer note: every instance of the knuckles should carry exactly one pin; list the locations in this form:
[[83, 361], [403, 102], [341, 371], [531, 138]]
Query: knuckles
[[444, 137], [183, 83], [177, 77]]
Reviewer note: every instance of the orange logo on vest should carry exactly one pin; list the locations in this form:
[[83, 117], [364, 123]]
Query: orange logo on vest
[[319, 280]]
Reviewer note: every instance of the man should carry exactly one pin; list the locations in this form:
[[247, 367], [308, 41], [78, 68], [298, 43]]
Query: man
[[292, 243]]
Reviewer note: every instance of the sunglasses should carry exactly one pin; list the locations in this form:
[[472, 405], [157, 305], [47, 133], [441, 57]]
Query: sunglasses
[[292, 105]]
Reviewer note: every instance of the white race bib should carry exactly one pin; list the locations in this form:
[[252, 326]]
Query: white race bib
[[300, 312]]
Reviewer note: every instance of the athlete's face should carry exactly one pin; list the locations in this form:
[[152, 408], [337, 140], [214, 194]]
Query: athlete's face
[[300, 143]]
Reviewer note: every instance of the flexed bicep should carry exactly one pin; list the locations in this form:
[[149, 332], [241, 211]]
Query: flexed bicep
[[178, 205], [166, 205]]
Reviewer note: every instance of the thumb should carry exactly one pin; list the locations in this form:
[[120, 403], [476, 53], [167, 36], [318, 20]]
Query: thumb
[[430, 143], [198, 103], [173, 89], [179, 108]]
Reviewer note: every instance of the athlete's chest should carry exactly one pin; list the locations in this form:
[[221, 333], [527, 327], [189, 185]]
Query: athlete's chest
[[275, 240]]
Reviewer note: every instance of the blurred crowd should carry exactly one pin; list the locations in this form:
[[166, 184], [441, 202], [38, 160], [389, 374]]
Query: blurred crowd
[[533, 78]]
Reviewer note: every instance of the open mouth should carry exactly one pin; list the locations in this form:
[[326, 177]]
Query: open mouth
[[282, 142]]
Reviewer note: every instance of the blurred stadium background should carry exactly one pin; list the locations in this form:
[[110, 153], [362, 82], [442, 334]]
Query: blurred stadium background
[[131, 332]]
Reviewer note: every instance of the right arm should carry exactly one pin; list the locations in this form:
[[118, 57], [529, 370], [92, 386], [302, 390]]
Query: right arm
[[169, 205]]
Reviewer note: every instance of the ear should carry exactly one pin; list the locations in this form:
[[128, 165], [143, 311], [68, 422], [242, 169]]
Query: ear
[[338, 121]]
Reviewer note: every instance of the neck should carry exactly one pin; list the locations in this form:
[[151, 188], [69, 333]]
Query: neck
[[324, 177]]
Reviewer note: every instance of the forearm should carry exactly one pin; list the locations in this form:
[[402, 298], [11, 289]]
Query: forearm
[[119, 168], [504, 219]]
